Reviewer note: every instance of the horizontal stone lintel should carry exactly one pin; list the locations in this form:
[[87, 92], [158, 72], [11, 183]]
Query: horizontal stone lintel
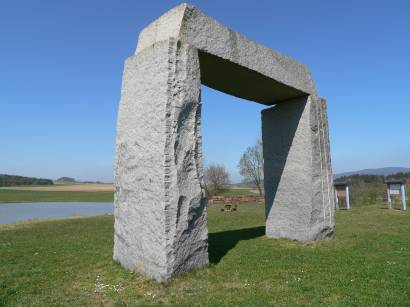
[[230, 62]]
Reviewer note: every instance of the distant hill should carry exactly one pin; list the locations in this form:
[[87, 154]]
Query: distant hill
[[72, 180], [65, 179], [384, 171], [12, 180]]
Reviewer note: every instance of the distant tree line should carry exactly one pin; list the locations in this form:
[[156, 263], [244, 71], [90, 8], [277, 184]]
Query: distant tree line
[[374, 178], [369, 189], [65, 179], [11, 180], [399, 176]]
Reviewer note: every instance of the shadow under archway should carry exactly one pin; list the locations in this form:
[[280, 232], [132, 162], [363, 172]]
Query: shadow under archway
[[220, 243]]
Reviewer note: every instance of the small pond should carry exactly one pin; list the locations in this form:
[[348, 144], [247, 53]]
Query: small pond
[[18, 212]]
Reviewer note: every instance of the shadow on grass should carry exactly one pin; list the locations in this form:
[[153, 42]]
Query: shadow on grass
[[220, 243]]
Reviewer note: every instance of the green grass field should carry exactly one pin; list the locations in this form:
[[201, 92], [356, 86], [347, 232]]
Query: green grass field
[[69, 262], [237, 192], [13, 196]]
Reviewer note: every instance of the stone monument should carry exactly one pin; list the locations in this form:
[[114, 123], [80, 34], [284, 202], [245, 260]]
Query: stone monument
[[159, 206]]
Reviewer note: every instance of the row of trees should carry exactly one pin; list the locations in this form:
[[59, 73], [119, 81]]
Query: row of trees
[[399, 176], [369, 189], [250, 166], [11, 180]]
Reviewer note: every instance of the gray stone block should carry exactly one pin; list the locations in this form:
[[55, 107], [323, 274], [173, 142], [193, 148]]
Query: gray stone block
[[282, 77], [299, 203], [160, 213]]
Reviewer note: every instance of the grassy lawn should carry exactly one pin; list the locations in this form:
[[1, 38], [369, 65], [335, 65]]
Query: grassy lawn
[[237, 192], [69, 262], [12, 196]]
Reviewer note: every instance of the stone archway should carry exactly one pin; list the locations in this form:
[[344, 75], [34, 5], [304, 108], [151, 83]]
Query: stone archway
[[159, 207]]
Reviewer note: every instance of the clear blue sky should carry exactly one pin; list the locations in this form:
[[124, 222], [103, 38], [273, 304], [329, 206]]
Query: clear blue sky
[[61, 66]]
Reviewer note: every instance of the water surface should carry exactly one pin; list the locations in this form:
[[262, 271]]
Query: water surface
[[18, 212]]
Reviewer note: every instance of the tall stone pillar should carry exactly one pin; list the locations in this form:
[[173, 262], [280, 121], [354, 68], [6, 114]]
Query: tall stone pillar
[[298, 180], [159, 207]]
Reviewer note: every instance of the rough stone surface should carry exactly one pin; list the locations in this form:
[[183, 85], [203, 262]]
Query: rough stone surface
[[298, 193], [160, 213], [159, 207], [322, 216], [218, 44]]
